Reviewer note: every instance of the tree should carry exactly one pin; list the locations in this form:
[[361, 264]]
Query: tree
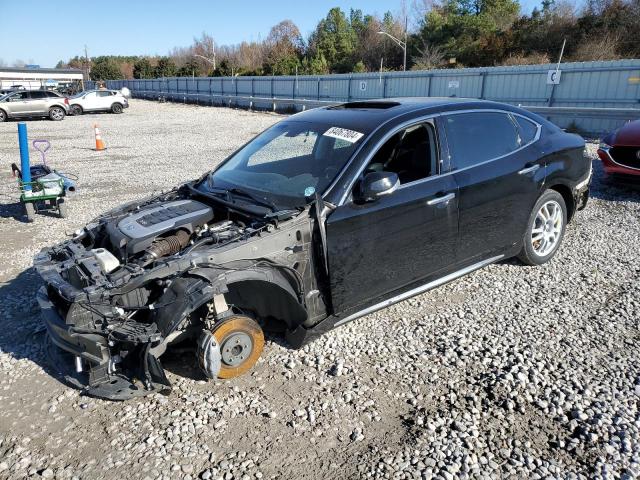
[[105, 69], [335, 39], [473, 31], [142, 68], [317, 65], [430, 56], [190, 68], [165, 68], [284, 48], [205, 47]]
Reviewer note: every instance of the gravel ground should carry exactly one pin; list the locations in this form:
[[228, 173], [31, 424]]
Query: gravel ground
[[512, 372]]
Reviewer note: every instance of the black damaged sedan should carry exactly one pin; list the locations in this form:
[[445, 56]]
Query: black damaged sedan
[[327, 216]]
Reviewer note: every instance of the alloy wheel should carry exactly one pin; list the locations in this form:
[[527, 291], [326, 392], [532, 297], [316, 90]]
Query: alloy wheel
[[547, 228], [57, 114]]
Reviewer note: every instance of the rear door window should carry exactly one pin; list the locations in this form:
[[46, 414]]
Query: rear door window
[[38, 95], [20, 96], [477, 137]]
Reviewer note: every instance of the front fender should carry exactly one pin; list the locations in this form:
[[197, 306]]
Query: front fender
[[266, 291]]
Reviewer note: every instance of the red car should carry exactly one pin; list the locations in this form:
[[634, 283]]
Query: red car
[[620, 150]]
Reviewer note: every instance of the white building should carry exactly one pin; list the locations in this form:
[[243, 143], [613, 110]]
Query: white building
[[35, 78]]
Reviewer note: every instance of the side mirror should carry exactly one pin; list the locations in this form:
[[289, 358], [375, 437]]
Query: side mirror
[[377, 184]]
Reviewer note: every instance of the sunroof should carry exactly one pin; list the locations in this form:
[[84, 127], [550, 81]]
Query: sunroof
[[376, 105]]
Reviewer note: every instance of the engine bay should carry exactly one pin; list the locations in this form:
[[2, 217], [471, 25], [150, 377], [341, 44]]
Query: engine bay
[[152, 273]]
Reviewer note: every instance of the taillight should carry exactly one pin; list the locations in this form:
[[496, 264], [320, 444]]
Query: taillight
[[66, 101]]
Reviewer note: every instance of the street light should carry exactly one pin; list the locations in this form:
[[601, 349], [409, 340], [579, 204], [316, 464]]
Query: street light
[[402, 45], [212, 62]]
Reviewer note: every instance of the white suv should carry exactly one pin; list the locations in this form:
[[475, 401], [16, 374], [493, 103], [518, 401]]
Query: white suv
[[98, 101]]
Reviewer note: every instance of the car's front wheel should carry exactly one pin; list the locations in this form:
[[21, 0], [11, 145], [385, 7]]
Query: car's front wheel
[[56, 113], [116, 108], [545, 229], [3, 116]]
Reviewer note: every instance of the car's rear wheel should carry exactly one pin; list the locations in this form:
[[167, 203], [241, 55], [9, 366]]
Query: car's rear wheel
[[56, 113], [76, 110], [3, 116], [116, 108], [545, 229], [241, 341]]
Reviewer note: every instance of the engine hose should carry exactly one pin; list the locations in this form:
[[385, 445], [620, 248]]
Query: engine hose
[[163, 247]]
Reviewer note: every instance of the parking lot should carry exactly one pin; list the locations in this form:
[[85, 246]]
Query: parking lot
[[513, 371]]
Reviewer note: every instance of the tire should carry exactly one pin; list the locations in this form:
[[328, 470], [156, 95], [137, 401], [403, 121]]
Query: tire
[[545, 229], [116, 108], [3, 116], [29, 211], [63, 211], [56, 113], [76, 110]]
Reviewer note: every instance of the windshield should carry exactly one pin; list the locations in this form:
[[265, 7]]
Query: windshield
[[288, 163]]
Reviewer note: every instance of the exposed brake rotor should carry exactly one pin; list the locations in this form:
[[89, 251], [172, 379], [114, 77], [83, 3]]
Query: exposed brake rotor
[[231, 348]]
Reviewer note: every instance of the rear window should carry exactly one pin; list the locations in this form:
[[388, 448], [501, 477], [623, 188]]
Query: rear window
[[474, 138], [527, 129]]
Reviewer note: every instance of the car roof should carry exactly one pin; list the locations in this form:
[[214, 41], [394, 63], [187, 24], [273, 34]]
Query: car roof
[[366, 115]]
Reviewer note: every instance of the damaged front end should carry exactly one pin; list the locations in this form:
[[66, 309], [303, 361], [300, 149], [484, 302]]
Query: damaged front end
[[155, 273]]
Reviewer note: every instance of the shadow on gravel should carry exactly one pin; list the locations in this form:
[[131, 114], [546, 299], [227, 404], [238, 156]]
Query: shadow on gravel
[[22, 333], [13, 210], [614, 187]]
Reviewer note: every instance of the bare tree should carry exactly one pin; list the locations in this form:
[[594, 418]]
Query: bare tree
[[604, 47], [205, 47], [431, 56]]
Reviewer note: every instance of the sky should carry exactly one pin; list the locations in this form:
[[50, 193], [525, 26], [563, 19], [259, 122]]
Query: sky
[[62, 29]]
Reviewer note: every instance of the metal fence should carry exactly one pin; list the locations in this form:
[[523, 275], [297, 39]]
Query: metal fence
[[592, 97]]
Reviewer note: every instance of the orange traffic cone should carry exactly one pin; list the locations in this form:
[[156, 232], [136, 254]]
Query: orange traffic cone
[[99, 143]]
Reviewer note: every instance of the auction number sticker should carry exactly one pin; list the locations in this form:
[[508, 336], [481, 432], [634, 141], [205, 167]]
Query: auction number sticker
[[345, 134]]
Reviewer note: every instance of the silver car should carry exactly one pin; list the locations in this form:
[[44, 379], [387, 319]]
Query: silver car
[[33, 103]]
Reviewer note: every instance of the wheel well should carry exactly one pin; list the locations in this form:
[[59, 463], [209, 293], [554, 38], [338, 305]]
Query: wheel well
[[117, 103], [568, 199], [276, 308]]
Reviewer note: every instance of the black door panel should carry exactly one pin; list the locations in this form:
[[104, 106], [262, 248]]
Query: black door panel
[[499, 173], [379, 247], [495, 202]]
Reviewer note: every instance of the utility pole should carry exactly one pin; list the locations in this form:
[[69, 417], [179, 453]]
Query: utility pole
[[86, 61], [404, 59]]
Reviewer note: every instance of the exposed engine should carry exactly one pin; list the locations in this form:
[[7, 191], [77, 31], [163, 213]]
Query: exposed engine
[[145, 235], [156, 272], [138, 230]]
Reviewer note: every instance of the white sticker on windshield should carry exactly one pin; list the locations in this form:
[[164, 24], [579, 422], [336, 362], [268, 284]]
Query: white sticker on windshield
[[344, 134]]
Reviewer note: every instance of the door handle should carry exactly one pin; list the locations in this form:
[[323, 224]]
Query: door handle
[[442, 199], [525, 171]]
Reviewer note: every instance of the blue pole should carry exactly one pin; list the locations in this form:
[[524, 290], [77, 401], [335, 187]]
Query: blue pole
[[24, 155]]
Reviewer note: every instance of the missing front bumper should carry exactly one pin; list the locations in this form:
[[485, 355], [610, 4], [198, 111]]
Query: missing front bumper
[[99, 377]]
